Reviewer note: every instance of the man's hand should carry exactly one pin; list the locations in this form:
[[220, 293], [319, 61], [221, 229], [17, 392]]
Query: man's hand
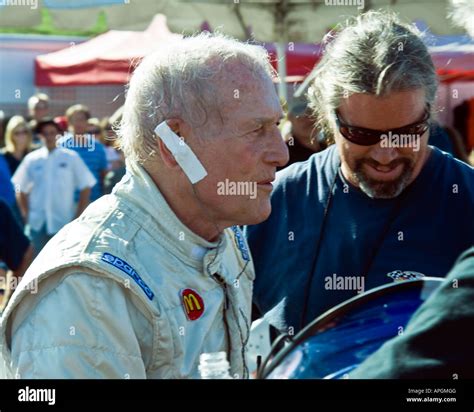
[[23, 202], [84, 196]]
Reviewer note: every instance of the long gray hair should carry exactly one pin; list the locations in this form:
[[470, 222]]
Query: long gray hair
[[375, 53]]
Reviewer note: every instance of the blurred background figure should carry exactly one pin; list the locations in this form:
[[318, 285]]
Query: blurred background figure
[[300, 133], [78, 117], [2, 121], [90, 150], [38, 108], [7, 193], [115, 174], [18, 142], [61, 121], [448, 140], [94, 128], [46, 182], [109, 139], [15, 252]]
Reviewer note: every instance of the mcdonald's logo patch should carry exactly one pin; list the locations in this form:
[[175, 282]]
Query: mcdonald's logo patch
[[192, 303]]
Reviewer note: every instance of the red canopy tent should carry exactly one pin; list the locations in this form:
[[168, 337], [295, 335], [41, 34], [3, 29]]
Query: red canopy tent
[[300, 59], [105, 59], [110, 58], [454, 62]]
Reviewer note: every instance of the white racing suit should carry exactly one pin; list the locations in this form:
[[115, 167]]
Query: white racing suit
[[128, 291]]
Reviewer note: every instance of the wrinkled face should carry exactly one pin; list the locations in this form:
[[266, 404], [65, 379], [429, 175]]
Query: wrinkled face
[[242, 154], [78, 123], [385, 169]]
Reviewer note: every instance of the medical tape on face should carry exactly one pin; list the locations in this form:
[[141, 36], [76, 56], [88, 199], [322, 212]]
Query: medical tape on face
[[183, 154]]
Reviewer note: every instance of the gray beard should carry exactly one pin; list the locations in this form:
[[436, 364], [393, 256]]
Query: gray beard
[[377, 189]]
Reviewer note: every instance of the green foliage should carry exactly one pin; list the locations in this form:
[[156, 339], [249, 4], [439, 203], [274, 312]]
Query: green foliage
[[47, 27]]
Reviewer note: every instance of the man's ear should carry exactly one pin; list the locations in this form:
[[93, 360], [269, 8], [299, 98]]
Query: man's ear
[[166, 156], [175, 152], [176, 125]]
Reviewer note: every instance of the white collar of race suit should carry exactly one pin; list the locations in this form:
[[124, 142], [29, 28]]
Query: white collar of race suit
[[138, 188]]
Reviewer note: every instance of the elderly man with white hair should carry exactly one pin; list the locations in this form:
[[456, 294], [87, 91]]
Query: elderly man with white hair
[[158, 272]]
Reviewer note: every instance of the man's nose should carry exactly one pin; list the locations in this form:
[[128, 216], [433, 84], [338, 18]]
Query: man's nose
[[278, 154], [384, 155]]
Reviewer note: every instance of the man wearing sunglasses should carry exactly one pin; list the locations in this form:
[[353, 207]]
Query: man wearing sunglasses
[[381, 204]]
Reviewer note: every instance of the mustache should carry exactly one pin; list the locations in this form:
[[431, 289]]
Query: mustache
[[392, 165]]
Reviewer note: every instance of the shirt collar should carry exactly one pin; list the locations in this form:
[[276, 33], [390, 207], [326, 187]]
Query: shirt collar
[[159, 219]]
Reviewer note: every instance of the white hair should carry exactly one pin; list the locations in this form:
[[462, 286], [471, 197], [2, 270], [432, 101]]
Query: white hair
[[462, 14], [35, 99], [179, 80]]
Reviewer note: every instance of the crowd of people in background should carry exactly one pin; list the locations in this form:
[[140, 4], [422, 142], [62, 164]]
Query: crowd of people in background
[[51, 168]]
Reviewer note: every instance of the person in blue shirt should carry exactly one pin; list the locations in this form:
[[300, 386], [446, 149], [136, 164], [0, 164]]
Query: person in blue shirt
[[380, 204], [15, 248], [7, 190], [6, 187], [91, 151]]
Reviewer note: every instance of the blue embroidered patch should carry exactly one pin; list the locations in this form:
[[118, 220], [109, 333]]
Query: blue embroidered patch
[[240, 243], [126, 268]]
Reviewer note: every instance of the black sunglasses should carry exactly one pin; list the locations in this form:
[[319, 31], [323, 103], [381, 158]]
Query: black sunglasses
[[369, 137]]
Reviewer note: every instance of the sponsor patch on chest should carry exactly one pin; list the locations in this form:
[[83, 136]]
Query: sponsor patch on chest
[[126, 268], [193, 304]]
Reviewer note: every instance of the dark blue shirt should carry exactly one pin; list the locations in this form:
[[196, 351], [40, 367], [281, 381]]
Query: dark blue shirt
[[13, 243], [433, 225], [6, 187]]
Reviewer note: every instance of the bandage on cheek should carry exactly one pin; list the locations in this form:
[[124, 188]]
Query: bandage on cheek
[[183, 154]]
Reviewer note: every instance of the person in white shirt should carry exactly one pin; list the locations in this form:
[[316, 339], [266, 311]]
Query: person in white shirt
[[45, 183]]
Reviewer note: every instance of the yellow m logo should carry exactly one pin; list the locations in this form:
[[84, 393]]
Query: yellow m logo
[[190, 301]]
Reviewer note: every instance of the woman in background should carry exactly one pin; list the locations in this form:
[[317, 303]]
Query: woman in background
[[18, 138]]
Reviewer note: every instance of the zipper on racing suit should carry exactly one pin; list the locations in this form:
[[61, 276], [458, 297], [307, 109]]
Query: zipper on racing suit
[[223, 285]]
